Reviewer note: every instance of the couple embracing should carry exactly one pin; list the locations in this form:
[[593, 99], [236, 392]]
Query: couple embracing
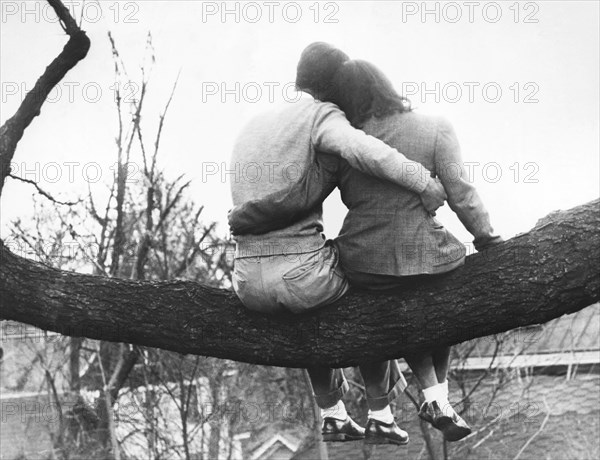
[[394, 168]]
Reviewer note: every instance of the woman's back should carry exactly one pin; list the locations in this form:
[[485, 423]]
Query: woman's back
[[387, 230]]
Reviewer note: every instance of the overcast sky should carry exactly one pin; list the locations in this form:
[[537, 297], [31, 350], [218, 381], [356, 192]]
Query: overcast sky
[[519, 81]]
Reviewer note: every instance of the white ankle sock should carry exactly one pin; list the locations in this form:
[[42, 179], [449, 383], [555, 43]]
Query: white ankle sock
[[437, 393], [383, 415], [444, 402], [338, 411], [445, 387]]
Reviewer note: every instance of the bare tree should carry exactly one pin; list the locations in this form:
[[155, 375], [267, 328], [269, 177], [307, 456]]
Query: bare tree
[[146, 228], [530, 279]]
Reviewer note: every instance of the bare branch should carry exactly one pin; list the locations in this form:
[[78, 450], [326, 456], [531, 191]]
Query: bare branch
[[43, 192], [542, 426], [74, 51], [162, 121]]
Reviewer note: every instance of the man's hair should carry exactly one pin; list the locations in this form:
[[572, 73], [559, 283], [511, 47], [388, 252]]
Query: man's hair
[[362, 91], [317, 67]]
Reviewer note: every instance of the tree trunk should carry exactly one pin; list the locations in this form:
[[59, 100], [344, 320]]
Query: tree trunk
[[530, 279]]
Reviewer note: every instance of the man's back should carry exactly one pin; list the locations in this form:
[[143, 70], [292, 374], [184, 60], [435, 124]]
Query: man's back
[[271, 148], [270, 155]]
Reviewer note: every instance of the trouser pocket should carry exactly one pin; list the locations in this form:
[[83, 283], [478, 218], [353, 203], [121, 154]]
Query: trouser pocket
[[315, 281], [248, 284]]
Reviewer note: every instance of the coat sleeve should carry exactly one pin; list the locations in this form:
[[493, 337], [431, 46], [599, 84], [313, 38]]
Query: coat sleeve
[[462, 195], [282, 208], [333, 134]]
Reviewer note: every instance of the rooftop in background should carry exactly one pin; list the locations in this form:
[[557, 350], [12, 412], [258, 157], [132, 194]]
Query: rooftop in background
[[569, 340], [579, 331], [571, 431]]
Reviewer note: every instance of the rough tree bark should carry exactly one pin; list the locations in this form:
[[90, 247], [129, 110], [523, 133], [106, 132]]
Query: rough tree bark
[[537, 276]]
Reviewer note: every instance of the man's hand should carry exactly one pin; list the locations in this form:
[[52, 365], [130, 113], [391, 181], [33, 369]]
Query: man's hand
[[433, 196]]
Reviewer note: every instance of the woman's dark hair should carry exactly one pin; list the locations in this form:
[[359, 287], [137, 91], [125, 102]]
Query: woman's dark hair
[[361, 90]]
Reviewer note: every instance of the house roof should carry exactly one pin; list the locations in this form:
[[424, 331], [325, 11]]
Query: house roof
[[521, 406], [272, 444], [279, 433], [570, 339], [568, 437]]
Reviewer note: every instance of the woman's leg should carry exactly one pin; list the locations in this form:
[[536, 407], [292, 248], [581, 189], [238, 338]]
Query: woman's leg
[[423, 368], [429, 368], [441, 360]]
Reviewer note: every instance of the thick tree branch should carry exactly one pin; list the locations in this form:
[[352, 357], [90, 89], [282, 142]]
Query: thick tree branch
[[73, 52], [532, 278]]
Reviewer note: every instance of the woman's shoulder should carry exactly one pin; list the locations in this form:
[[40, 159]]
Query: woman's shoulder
[[411, 122], [424, 120]]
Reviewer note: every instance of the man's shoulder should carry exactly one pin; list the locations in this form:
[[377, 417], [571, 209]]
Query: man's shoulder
[[292, 116], [294, 109], [309, 107]]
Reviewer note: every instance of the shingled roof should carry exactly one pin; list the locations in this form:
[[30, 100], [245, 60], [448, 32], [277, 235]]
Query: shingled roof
[[570, 340], [517, 413]]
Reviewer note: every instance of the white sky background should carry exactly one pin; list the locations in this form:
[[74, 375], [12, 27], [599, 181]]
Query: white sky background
[[558, 56]]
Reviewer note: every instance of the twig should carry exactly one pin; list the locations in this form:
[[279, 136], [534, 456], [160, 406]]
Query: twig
[[542, 426], [482, 440], [162, 121], [356, 384], [43, 192], [475, 433], [485, 374]]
